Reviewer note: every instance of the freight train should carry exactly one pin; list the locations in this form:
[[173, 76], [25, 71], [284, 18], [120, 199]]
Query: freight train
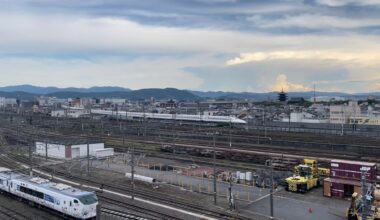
[[61, 198]]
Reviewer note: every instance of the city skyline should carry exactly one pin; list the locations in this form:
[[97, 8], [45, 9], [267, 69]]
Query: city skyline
[[207, 45]]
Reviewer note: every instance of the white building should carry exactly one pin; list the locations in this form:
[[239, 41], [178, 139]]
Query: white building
[[340, 114], [10, 102], [365, 120], [304, 117], [70, 112], [327, 99], [116, 101], [67, 150]]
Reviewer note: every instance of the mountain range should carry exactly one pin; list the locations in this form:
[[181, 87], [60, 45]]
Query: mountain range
[[30, 92]]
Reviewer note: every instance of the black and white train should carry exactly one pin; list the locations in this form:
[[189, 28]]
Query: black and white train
[[59, 197]]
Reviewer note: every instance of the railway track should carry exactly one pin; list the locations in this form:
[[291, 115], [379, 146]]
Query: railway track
[[158, 197], [7, 213], [119, 214], [147, 213], [329, 149], [145, 194]]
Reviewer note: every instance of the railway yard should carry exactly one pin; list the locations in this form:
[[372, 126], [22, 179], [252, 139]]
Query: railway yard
[[181, 159]]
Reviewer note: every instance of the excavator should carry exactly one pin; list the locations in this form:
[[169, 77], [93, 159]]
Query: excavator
[[306, 176]]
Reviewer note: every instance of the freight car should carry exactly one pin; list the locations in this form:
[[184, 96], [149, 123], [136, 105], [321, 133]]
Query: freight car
[[61, 198]]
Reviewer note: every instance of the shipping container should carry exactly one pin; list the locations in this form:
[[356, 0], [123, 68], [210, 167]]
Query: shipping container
[[102, 153], [341, 188], [351, 170], [337, 190]]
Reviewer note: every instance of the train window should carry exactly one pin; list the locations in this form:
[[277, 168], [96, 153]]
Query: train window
[[31, 192], [70, 203], [76, 201], [88, 199]]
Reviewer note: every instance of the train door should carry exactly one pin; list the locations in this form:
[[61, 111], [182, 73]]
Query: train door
[[73, 207]]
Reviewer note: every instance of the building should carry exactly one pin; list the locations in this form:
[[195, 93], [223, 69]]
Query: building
[[340, 114], [70, 112], [304, 117], [327, 99], [365, 120], [345, 177], [67, 149]]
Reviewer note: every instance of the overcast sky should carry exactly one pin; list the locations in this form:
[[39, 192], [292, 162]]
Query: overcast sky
[[229, 45]]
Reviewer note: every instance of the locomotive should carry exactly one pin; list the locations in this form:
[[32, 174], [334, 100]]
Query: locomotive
[[64, 199]]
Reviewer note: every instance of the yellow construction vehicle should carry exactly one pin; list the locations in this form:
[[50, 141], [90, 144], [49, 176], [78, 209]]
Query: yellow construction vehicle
[[306, 176]]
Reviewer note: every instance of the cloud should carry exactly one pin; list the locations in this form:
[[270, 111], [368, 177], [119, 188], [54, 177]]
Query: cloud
[[361, 58], [139, 73], [282, 83], [376, 86], [338, 3], [314, 21]]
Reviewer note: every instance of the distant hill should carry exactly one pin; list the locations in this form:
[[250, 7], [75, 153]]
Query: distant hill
[[272, 95], [159, 94], [29, 92], [47, 90], [19, 95]]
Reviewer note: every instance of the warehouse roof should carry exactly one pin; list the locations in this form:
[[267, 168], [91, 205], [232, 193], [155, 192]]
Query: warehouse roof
[[72, 141]]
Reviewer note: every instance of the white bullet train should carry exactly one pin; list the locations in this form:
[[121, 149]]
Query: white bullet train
[[62, 198], [180, 117]]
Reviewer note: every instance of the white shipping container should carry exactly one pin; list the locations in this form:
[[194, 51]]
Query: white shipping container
[[102, 153], [237, 174], [248, 176], [242, 176], [140, 178], [92, 148]]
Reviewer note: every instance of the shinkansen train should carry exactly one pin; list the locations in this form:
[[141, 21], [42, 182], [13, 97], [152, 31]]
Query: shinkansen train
[[181, 117], [59, 197]]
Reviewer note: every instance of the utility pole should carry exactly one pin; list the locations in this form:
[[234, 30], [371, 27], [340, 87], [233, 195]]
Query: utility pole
[[270, 165], [88, 156], [230, 135], [30, 161], [364, 194], [343, 120], [214, 167], [289, 118], [133, 171], [46, 150], [231, 201]]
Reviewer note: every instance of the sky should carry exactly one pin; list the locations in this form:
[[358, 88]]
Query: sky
[[207, 45]]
